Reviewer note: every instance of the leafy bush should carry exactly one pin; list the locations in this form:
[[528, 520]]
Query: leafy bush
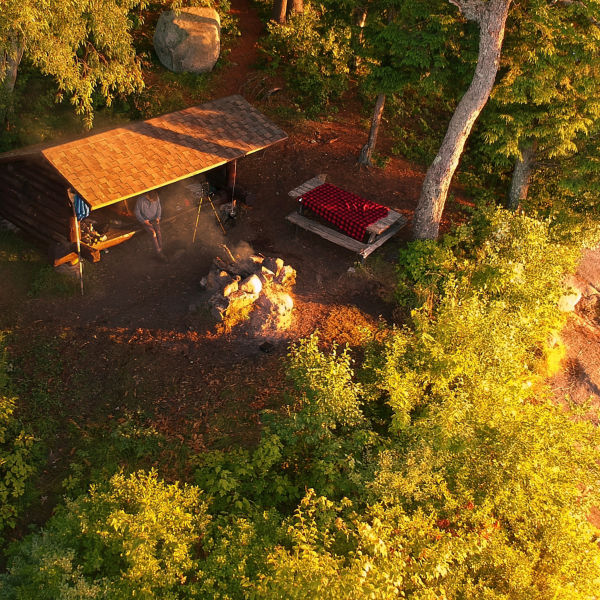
[[16, 453], [500, 256], [314, 59], [328, 394], [486, 486], [324, 443], [16, 462], [136, 537]]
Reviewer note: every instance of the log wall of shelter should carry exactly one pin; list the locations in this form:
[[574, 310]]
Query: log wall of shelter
[[34, 198]]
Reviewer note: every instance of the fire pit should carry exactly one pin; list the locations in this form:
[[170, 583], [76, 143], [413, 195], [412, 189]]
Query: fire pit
[[255, 289]]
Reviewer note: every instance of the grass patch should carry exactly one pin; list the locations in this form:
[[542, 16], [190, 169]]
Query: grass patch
[[48, 282], [25, 270]]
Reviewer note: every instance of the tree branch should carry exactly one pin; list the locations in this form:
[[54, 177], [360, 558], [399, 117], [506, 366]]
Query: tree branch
[[471, 9]]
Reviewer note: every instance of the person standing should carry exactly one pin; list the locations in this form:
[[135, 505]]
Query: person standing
[[148, 212]]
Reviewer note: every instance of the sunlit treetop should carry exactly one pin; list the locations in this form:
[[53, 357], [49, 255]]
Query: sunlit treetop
[[85, 45]]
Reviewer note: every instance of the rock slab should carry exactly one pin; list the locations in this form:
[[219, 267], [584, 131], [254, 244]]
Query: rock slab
[[188, 41]]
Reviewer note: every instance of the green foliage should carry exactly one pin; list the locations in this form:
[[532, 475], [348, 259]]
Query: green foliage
[[136, 537], [416, 44], [545, 99], [236, 553], [175, 92], [37, 381], [313, 58], [500, 255], [86, 47], [328, 396], [423, 268], [548, 87], [417, 122], [129, 444], [16, 462], [472, 485], [16, 451], [487, 486], [323, 443], [48, 282], [493, 298], [28, 269], [479, 445], [239, 479]]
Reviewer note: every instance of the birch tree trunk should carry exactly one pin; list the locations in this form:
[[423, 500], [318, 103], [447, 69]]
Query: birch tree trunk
[[519, 185], [491, 17], [9, 67], [366, 154]]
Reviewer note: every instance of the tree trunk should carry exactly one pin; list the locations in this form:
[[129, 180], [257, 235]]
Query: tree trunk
[[9, 67], [295, 7], [519, 185], [366, 153], [279, 11], [361, 21], [491, 17]]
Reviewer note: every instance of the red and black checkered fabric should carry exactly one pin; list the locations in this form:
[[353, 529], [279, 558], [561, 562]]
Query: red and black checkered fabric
[[351, 213]]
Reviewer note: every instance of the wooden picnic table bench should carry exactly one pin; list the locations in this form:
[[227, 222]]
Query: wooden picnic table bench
[[378, 232]]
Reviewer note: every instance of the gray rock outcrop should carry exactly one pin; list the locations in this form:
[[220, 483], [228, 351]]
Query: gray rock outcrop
[[189, 41]]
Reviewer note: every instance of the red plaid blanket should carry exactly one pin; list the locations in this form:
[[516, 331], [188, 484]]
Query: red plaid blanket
[[351, 213]]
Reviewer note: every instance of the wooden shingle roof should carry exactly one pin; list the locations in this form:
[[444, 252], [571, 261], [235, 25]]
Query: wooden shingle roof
[[124, 162]]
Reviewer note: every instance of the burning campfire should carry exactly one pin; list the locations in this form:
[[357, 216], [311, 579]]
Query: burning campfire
[[254, 288]]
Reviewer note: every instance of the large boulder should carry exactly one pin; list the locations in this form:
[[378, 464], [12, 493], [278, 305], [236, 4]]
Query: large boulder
[[189, 41]]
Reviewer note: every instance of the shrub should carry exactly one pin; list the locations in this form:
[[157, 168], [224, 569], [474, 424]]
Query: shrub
[[314, 59], [136, 537], [475, 484], [16, 453], [324, 443], [327, 391], [16, 462]]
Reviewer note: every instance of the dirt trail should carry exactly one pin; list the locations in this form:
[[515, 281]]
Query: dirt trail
[[244, 54]]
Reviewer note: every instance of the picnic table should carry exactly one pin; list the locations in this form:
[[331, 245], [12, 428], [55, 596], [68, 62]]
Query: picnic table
[[354, 217]]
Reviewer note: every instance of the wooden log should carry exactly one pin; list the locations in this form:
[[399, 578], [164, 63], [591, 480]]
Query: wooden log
[[71, 257], [52, 203], [44, 215], [27, 181]]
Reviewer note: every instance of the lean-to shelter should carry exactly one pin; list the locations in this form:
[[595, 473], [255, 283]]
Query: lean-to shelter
[[111, 167]]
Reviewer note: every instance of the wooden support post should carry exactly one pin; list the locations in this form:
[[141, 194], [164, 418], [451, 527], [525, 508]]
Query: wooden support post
[[231, 176], [71, 195]]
